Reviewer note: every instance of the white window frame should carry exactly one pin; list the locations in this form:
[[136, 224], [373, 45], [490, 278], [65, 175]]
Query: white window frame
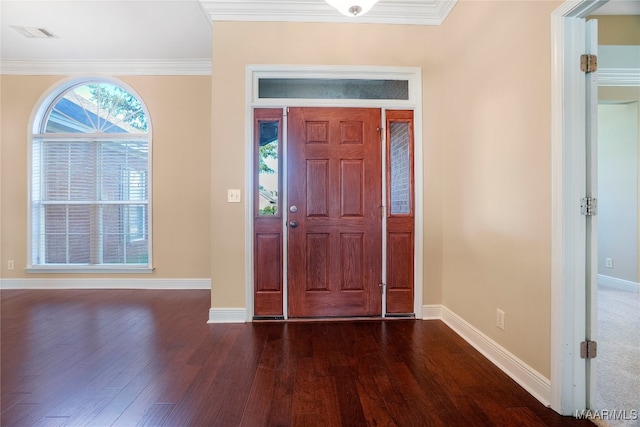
[[40, 111]]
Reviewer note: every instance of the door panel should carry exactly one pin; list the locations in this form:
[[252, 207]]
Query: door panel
[[335, 240], [318, 188], [351, 188], [268, 250], [352, 256], [318, 256]]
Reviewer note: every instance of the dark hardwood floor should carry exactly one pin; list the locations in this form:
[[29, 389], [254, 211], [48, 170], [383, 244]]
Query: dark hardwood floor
[[148, 358]]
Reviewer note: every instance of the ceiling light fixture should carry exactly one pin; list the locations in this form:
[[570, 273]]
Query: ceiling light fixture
[[352, 7]]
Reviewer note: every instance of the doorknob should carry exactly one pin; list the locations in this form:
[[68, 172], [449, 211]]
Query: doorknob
[[293, 224], [293, 209]]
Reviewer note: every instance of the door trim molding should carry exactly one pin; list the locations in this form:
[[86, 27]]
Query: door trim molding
[[568, 229], [412, 74]]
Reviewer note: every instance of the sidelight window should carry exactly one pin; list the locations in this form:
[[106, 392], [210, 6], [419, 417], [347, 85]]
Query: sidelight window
[[268, 157], [400, 168], [267, 218]]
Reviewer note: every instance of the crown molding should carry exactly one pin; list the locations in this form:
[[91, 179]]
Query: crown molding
[[409, 12], [186, 67]]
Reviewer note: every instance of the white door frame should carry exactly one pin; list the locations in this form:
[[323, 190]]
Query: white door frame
[[412, 74], [568, 226]]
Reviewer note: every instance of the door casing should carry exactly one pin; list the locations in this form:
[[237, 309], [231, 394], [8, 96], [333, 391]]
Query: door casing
[[568, 392], [255, 72]]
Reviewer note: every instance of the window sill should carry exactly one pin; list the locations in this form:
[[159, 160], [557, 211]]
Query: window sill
[[90, 269]]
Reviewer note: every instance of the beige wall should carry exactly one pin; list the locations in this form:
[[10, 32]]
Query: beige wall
[[618, 29], [180, 115], [497, 179], [486, 126]]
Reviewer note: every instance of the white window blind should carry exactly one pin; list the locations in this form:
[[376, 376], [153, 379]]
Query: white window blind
[[90, 180]]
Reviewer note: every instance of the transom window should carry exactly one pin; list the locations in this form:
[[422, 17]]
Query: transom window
[[90, 182], [309, 88]]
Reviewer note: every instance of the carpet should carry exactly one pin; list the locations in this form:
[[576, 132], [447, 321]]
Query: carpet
[[618, 368]]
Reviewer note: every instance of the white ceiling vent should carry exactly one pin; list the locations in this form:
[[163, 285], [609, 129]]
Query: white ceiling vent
[[35, 32]]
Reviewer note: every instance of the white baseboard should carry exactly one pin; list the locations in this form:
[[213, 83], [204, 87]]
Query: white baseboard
[[91, 283], [528, 378], [619, 284], [432, 312], [227, 315]]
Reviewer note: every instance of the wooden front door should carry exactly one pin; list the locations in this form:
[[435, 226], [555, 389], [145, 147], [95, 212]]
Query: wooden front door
[[334, 212]]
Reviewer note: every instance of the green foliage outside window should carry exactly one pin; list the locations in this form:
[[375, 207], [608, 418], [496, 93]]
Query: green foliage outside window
[[120, 104], [268, 151]]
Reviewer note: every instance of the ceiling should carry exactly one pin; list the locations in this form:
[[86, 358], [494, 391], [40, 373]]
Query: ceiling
[[171, 36], [99, 34]]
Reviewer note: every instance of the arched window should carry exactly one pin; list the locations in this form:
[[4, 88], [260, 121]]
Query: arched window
[[90, 179]]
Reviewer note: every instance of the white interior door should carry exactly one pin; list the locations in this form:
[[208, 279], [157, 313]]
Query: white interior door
[[571, 307], [591, 146]]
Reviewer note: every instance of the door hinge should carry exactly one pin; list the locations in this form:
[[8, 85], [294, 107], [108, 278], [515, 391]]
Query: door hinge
[[381, 130], [588, 63], [589, 206], [588, 349], [382, 285]]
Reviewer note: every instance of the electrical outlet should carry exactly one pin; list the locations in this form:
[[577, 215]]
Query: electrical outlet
[[608, 262], [10, 264], [500, 319], [233, 196]]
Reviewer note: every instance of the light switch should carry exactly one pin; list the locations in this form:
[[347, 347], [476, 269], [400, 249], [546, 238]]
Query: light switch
[[233, 196]]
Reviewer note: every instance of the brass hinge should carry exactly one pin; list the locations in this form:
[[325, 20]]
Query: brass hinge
[[588, 63], [589, 206], [588, 349]]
